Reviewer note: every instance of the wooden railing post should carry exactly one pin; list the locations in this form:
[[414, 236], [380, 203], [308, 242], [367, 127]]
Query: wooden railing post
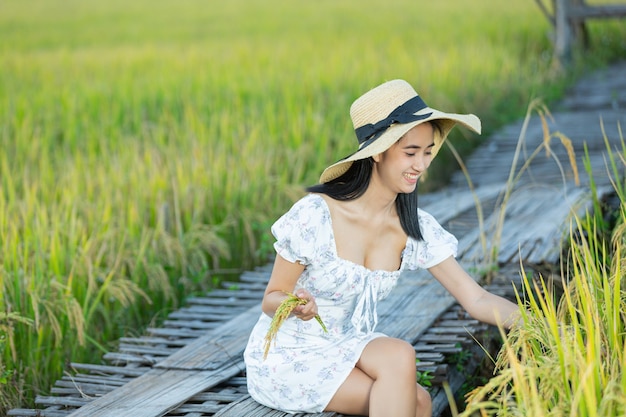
[[569, 20], [563, 35]]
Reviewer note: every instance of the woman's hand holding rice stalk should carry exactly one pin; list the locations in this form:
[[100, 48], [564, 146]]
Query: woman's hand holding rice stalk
[[282, 312]]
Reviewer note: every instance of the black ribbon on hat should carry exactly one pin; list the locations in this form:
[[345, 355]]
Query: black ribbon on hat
[[404, 113]]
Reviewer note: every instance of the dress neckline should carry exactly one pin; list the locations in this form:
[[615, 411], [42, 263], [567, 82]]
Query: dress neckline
[[336, 252]]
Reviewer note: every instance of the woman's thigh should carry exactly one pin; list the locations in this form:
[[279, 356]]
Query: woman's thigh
[[381, 355], [353, 395]]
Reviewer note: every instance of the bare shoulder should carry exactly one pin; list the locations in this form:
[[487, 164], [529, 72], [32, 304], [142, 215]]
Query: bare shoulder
[[340, 210]]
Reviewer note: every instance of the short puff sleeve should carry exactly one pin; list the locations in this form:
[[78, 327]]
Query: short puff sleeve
[[437, 246], [299, 232]]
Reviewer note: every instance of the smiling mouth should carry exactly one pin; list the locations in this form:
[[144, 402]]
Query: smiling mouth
[[411, 177]]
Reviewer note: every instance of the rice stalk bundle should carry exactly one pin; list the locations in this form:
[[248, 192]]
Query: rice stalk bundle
[[282, 312]]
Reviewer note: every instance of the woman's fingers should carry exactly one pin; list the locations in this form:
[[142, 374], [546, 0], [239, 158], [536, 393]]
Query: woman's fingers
[[304, 294], [305, 311]]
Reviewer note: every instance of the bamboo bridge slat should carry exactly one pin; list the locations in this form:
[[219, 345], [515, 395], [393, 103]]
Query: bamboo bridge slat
[[192, 365]]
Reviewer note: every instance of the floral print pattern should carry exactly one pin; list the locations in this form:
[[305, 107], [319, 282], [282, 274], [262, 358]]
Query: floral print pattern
[[305, 366]]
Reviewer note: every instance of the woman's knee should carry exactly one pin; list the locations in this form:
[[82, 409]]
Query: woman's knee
[[388, 357], [404, 355], [398, 357]]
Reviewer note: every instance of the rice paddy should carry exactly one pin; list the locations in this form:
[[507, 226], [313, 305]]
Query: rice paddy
[[146, 146], [569, 355]]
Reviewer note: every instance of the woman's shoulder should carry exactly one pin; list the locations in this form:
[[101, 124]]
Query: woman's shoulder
[[301, 232], [431, 229], [426, 219], [310, 209], [437, 243], [311, 202]]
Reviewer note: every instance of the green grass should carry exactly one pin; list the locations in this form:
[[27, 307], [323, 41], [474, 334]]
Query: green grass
[[145, 146], [568, 356]]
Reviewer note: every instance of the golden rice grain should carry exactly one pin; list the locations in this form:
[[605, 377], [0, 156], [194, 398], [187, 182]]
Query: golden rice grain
[[282, 312]]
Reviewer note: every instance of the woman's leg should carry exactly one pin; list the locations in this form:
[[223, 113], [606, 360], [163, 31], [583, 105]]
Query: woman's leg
[[424, 403], [353, 396], [383, 383]]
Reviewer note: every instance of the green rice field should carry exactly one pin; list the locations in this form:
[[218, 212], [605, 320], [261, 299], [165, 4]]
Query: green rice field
[[146, 146], [567, 357]]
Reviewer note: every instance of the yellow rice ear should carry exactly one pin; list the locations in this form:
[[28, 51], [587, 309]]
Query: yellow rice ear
[[282, 312]]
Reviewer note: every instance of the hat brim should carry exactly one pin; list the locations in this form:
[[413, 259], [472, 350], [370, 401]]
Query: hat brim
[[396, 131]]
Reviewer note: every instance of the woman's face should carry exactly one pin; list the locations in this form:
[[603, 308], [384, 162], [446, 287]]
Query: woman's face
[[400, 166]]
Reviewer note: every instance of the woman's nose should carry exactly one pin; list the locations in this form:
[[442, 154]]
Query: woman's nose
[[420, 163]]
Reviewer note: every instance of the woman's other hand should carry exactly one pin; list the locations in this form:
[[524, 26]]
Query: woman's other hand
[[306, 311]]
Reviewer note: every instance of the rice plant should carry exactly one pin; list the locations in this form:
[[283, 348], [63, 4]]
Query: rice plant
[[283, 311], [568, 358]]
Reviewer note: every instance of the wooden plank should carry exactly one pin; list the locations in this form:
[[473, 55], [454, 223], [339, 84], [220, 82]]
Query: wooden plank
[[206, 313], [113, 370], [448, 204], [216, 348], [227, 395], [191, 324], [117, 358], [147, 350], [176, 332], [223, 303], [412, 307], [37, 413], [89, 379], [604, 11], [534, 226], [234, 295], [493, 163], [64, 401], [155, 393], [201, 364], [538, 214], [249, 408]]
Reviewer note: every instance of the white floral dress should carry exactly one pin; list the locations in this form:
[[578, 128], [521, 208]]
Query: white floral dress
[[305, 366]]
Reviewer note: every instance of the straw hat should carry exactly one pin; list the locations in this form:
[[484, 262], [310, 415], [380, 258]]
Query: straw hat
[[384, 114]]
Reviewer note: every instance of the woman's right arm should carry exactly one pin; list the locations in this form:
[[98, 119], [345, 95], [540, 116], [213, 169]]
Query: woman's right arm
[[284, 276]]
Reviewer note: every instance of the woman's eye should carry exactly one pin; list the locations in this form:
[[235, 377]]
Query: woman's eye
[[410, 154]]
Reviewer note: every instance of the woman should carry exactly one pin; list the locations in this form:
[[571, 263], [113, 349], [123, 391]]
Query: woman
[[342, 248]]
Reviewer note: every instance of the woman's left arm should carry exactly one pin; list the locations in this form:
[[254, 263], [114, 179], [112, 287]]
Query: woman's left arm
[[478, 302]]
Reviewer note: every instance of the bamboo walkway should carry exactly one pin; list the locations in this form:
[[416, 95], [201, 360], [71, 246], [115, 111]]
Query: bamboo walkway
[[192, 366]]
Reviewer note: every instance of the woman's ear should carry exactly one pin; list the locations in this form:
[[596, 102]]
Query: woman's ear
[[376, 157]]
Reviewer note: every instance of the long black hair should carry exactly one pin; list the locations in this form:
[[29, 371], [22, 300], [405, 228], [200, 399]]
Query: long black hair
[[353, 183]]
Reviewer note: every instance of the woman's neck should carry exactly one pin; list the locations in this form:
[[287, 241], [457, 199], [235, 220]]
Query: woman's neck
[[376, 202]]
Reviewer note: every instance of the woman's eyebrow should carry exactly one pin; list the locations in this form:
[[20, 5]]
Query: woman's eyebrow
[[417, 146]]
